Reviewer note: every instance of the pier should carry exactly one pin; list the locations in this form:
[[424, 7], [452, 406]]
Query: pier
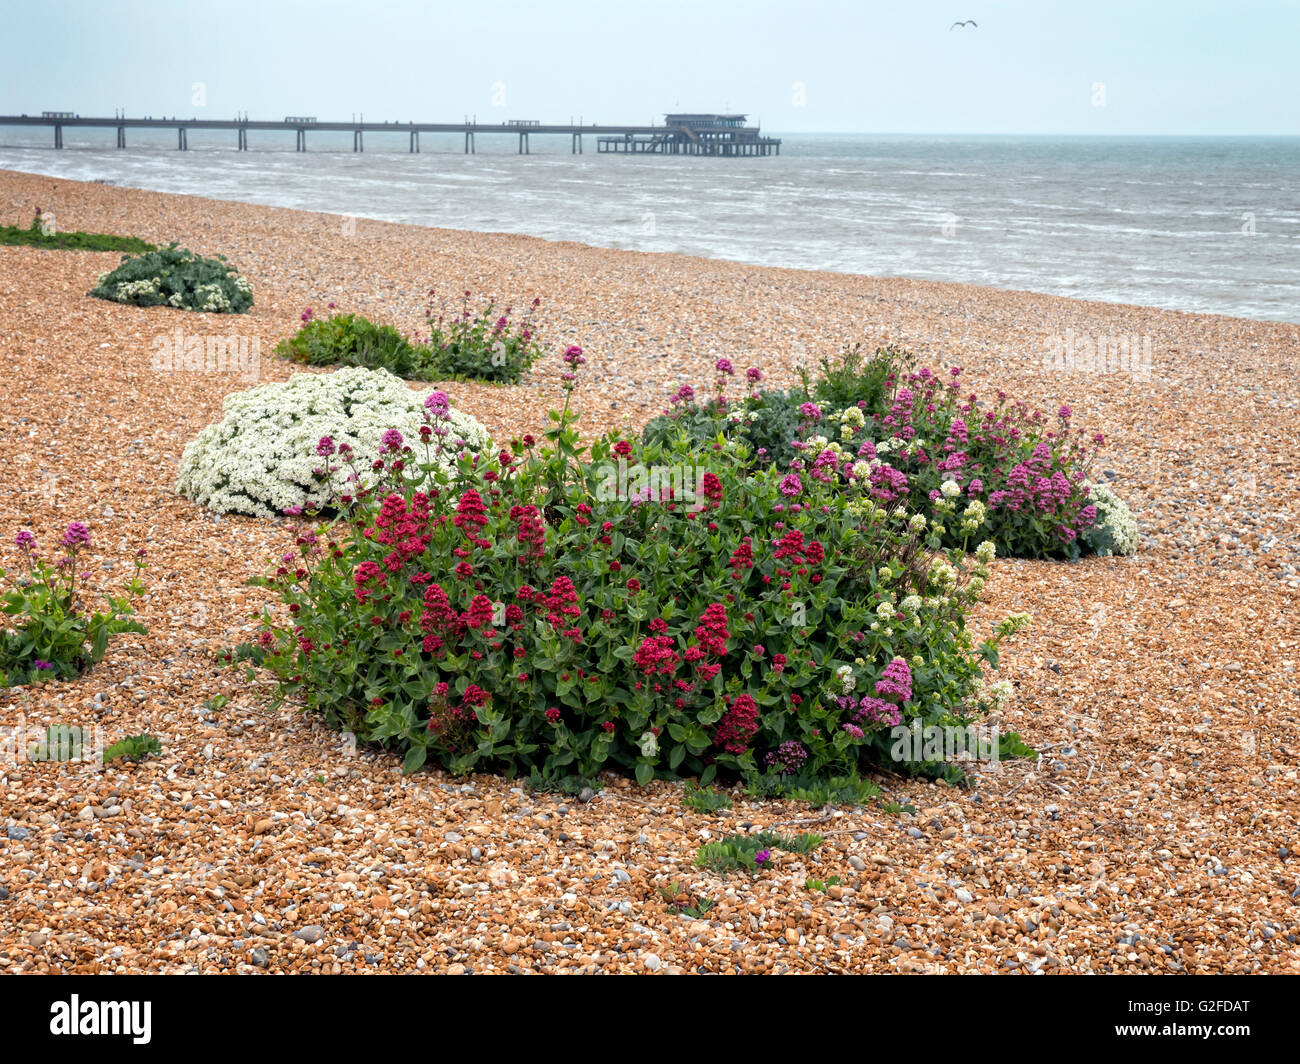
[[681, 134]]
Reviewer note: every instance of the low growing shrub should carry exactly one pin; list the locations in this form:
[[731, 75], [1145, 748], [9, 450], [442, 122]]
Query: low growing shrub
[[704, 799], [564, 611], [133, 748], [49, 632], [351, 340], [751, 853], [43, 234], [485, 346], [176, 277], [482, 346], [296, 444]]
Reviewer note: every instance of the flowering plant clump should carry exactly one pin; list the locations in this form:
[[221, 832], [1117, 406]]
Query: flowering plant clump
[[298, 443], [999, 471], [1115, 531], [176, 277], [489, 345], [49, 633], [351, 340], [561, 609]]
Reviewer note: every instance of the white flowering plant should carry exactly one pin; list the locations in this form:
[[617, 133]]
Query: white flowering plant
[[1115, 530], [269, 454], [176, 277]]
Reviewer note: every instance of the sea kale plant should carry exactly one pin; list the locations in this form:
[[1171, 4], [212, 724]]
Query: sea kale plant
[[176, 277], [49, 632], [272, 451], [916, 439], [558, 610]]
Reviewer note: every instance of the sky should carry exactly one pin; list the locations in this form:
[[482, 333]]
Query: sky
[[1030, 66]]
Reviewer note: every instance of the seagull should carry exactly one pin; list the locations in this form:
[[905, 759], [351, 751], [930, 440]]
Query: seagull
[[968, 22]]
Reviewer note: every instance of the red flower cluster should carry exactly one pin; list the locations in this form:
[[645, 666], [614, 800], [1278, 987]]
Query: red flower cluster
[[562, 602], [366, 572], [471, 515], [479, 614], [402, 527], [738, 725], [712, 630], [439, 620], [657, 654], [742, 558], [531, 531]]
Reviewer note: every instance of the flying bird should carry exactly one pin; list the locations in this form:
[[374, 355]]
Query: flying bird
[[968, 22]]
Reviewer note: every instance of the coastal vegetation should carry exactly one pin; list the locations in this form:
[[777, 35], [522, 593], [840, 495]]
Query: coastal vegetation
[[971, 468], [48, 631], [43, 233], [554, 609], [483, 345], [290, 445], [176, 277]]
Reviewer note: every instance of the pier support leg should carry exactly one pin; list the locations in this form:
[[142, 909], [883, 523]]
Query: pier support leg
[[358, 142], [121, 136], [415, 142], [301, 143], [182, 142]]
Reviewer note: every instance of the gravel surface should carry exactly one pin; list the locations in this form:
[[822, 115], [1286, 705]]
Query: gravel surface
[[1156, 832]]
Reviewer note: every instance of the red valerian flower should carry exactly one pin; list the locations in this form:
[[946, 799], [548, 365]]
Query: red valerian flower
[[479, 614], [738, 725], [470, 511], [562, 601], [656, 654]]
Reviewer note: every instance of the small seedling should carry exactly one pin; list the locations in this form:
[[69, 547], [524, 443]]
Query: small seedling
[[751, 853], [821, 884], [704, 799], [133, 748]]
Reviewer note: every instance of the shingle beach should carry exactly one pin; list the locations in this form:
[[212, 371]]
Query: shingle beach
[[1156, 832]]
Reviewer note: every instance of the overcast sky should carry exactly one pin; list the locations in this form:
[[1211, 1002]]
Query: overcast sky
[[1031, 66]]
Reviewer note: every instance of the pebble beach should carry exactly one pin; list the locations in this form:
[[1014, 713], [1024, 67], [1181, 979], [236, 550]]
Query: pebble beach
[[1155, 832]]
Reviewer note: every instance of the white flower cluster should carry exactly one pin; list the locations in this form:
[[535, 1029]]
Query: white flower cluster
[[261, 459], [127, 290], [1115, 530], [210, 297]]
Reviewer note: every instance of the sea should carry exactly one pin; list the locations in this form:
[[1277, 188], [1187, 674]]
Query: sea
[[1204, 224]]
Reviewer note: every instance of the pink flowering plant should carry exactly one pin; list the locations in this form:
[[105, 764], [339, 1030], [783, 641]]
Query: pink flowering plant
[[49, 632], [491, 344], [974, 470], [564, 609]]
